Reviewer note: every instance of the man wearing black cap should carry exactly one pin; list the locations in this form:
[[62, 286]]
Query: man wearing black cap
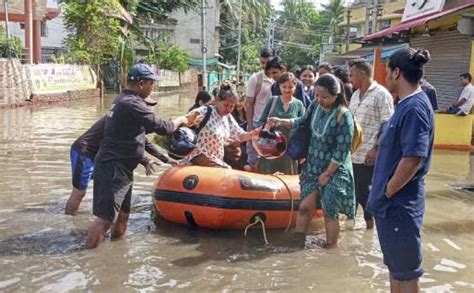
[[121, 149], [83, 152]]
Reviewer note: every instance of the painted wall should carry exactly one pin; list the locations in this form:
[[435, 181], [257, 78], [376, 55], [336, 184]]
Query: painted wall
[[453, 132]]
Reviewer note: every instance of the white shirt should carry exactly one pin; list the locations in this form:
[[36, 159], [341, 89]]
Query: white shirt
[[468, 94], [375, 108], [262, 97]]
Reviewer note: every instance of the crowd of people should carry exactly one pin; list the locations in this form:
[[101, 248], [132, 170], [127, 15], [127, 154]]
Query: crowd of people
[[384, 175]]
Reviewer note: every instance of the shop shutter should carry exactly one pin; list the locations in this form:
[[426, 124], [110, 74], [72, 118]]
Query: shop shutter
[[451, 54]]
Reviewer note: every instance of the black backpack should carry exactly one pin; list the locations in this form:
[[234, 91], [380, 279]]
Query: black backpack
[[204, 121]]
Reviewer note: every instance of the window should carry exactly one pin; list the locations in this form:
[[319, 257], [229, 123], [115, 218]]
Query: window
[[195, 41], [22, 25], [385, 23], [44, 29]]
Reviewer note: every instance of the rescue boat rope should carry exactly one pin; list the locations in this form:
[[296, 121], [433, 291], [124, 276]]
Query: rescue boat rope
[[277, 175], [258, 220]]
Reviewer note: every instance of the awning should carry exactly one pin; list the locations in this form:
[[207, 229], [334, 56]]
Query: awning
[[387, 52], [368, 51], [403, 26]]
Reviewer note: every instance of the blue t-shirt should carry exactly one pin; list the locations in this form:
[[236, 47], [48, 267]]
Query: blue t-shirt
[[299, 92], [408, 133]]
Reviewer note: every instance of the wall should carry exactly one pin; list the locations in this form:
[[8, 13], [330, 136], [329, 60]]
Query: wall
[[172, 80], [14, 86], [60, 78], [453, 132], [23, 84], [189, 27]]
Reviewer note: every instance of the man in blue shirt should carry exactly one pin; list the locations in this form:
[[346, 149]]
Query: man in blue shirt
[[397, 198]]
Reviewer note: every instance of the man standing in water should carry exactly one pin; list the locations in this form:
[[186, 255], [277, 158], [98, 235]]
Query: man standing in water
[[372, 105], [121, 149], [83, 152], [397, 198]]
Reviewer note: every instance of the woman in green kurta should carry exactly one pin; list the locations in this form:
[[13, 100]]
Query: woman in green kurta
[[288, 107], [328, 169]]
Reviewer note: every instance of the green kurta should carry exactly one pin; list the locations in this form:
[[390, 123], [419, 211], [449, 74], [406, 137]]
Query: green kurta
[[284, 164], [330, 141]]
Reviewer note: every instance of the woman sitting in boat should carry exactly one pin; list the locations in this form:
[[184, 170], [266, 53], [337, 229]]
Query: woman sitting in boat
[[218, 131], [284, 106], [328, 172]]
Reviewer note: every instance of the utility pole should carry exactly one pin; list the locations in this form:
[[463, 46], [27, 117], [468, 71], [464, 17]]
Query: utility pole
[[5, 9], [271, 32], [239, 44], [203, 45], [375, 14], [348, 27], [368, 14]]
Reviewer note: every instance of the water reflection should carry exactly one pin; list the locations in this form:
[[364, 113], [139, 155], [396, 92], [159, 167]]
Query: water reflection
[[42, 250]]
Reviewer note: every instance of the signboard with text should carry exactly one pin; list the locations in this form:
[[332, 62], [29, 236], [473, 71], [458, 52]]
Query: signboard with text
[[417, 8], [60, 78]]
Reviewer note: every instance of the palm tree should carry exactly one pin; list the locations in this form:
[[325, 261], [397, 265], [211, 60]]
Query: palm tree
[[254, 19], [333, 14]]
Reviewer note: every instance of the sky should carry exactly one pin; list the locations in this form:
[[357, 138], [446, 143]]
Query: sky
[[276, 3]]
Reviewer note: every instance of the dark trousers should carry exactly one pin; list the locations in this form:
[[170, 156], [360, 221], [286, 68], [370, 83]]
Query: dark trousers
[[363, 181]]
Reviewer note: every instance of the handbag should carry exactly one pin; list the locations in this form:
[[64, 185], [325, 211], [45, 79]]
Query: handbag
[[298, 144]]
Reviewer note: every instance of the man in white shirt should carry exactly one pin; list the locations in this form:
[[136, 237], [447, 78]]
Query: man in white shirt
[[466, 100], [372, 106], [257, 93]]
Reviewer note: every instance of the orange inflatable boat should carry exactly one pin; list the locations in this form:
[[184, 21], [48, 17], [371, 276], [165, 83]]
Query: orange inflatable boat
[[225, 199]]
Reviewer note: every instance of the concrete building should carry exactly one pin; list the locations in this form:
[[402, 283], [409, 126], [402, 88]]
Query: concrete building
[[187, 32], [28, 20]]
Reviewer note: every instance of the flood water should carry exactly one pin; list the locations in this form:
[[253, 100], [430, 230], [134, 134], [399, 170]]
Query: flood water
[[41, 249]]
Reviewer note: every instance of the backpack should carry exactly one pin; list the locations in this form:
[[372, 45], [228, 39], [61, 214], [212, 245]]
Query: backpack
[[357, 138], [204, 121]]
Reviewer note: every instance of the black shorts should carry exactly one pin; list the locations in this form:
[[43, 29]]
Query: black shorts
[[112, 190]]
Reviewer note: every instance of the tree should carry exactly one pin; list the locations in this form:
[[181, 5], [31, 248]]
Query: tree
[[166, 56], [254, 20], [333, 14], [298, 33], [94, 36]]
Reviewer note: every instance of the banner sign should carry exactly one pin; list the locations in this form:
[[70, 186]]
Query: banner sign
[[60, 78]]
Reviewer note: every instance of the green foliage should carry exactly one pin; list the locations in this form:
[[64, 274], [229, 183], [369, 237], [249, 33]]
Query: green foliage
[[254, 22], [166, 56], [94, 33], [9, 47], [147, 10], [333, 14], [298, 33]]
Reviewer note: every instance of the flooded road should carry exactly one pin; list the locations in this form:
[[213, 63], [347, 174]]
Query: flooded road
[[41, 249]]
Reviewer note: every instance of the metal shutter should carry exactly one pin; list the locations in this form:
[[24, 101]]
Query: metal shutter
[[451, 54]]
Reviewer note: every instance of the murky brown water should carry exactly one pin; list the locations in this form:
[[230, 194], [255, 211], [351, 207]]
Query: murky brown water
[[42, 250]]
